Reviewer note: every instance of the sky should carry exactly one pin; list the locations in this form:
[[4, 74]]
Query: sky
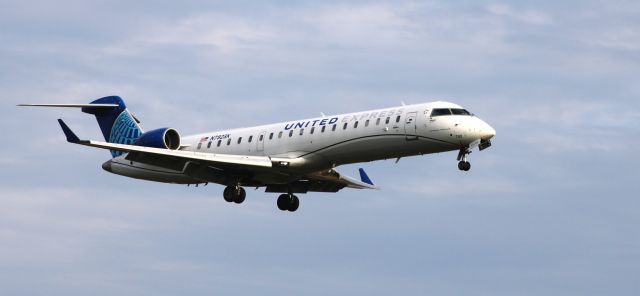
[[551, 208]]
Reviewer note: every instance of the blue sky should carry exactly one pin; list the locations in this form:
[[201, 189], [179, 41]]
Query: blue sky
[[552, 208]]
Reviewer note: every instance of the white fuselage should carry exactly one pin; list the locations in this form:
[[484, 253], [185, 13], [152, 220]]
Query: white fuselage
[[309, 145]]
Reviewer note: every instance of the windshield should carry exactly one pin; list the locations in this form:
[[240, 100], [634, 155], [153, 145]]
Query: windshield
[[447, 111], [460, 112]]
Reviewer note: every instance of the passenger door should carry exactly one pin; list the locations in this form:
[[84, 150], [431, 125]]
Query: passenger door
[[261, 139], [410, 126]]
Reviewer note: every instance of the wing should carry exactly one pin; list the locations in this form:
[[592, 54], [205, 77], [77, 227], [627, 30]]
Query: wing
[[190, 162], [172, 159]]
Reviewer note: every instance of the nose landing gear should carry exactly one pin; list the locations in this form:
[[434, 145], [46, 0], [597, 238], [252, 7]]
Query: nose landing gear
[[463, 163]]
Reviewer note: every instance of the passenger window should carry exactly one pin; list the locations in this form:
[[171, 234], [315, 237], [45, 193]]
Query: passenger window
[[398, 118], [440, 112], [270, 136], [209, 145], [301, 131], [290, 133], [378, 121], [313, 128], [199, 146], [229, 142], [387, 120], [280, 135], [366, 123], [239, 140], [355, 125], [344, 126], [261, 138], [250, 138], [219, 142], [333, 129]]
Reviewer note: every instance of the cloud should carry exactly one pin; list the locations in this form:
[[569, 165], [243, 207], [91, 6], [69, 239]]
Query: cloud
[[529, 17], [622, 38], [218, 32], [357, 25]]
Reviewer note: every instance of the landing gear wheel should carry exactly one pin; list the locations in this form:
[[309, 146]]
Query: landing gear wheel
[[228, 194], [288, 202], [464, 166], [283, 202], [234, 194], [294, 204], [239, 195]]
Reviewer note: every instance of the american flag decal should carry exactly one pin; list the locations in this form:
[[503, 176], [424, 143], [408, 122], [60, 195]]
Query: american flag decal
[[204, 139]]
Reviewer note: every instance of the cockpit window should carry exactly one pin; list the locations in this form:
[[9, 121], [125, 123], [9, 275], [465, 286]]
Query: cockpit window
[[447, 111], [440, 112], [460, 112]]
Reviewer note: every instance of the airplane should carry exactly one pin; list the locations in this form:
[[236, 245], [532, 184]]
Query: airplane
[[289, 157]]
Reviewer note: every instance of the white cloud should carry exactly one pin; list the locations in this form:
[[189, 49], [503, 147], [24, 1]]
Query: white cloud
[[216, 33], [221, 32], [359, 25], [308, 33], [620, 38], [529, 17]]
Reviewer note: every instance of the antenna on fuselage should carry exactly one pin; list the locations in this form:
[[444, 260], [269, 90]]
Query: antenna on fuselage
[[322, 114]]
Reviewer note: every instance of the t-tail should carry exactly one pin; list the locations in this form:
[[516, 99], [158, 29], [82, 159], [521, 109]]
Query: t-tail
[[115, 121]]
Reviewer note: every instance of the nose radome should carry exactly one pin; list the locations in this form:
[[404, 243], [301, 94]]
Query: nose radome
[[487, 132]]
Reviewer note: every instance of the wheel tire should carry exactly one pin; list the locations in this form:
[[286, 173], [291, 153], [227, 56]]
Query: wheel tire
[[240, 195], [227, 194], [467, 166], [283, 202], [294, 204], [461, 165]]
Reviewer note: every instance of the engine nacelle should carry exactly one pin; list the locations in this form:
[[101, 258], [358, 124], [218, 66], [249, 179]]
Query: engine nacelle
[[165, 138]]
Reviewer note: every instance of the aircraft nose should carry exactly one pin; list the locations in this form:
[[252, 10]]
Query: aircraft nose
[[487, 132]]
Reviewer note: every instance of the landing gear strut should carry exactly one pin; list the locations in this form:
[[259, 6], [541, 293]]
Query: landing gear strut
[[288, 202], [463, 155], [235, 194]]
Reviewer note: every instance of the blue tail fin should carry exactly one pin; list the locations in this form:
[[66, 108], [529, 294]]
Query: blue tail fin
[[117, 124]]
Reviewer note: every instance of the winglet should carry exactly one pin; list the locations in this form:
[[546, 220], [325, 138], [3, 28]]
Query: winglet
[[71, 137], [364, 177]]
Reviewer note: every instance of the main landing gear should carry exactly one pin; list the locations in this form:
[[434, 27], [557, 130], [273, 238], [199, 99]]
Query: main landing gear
[[288, 202], [463, 155], [235, 194]]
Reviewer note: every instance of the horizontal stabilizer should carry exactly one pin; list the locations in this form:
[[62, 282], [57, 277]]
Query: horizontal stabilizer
[[72, 105]]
